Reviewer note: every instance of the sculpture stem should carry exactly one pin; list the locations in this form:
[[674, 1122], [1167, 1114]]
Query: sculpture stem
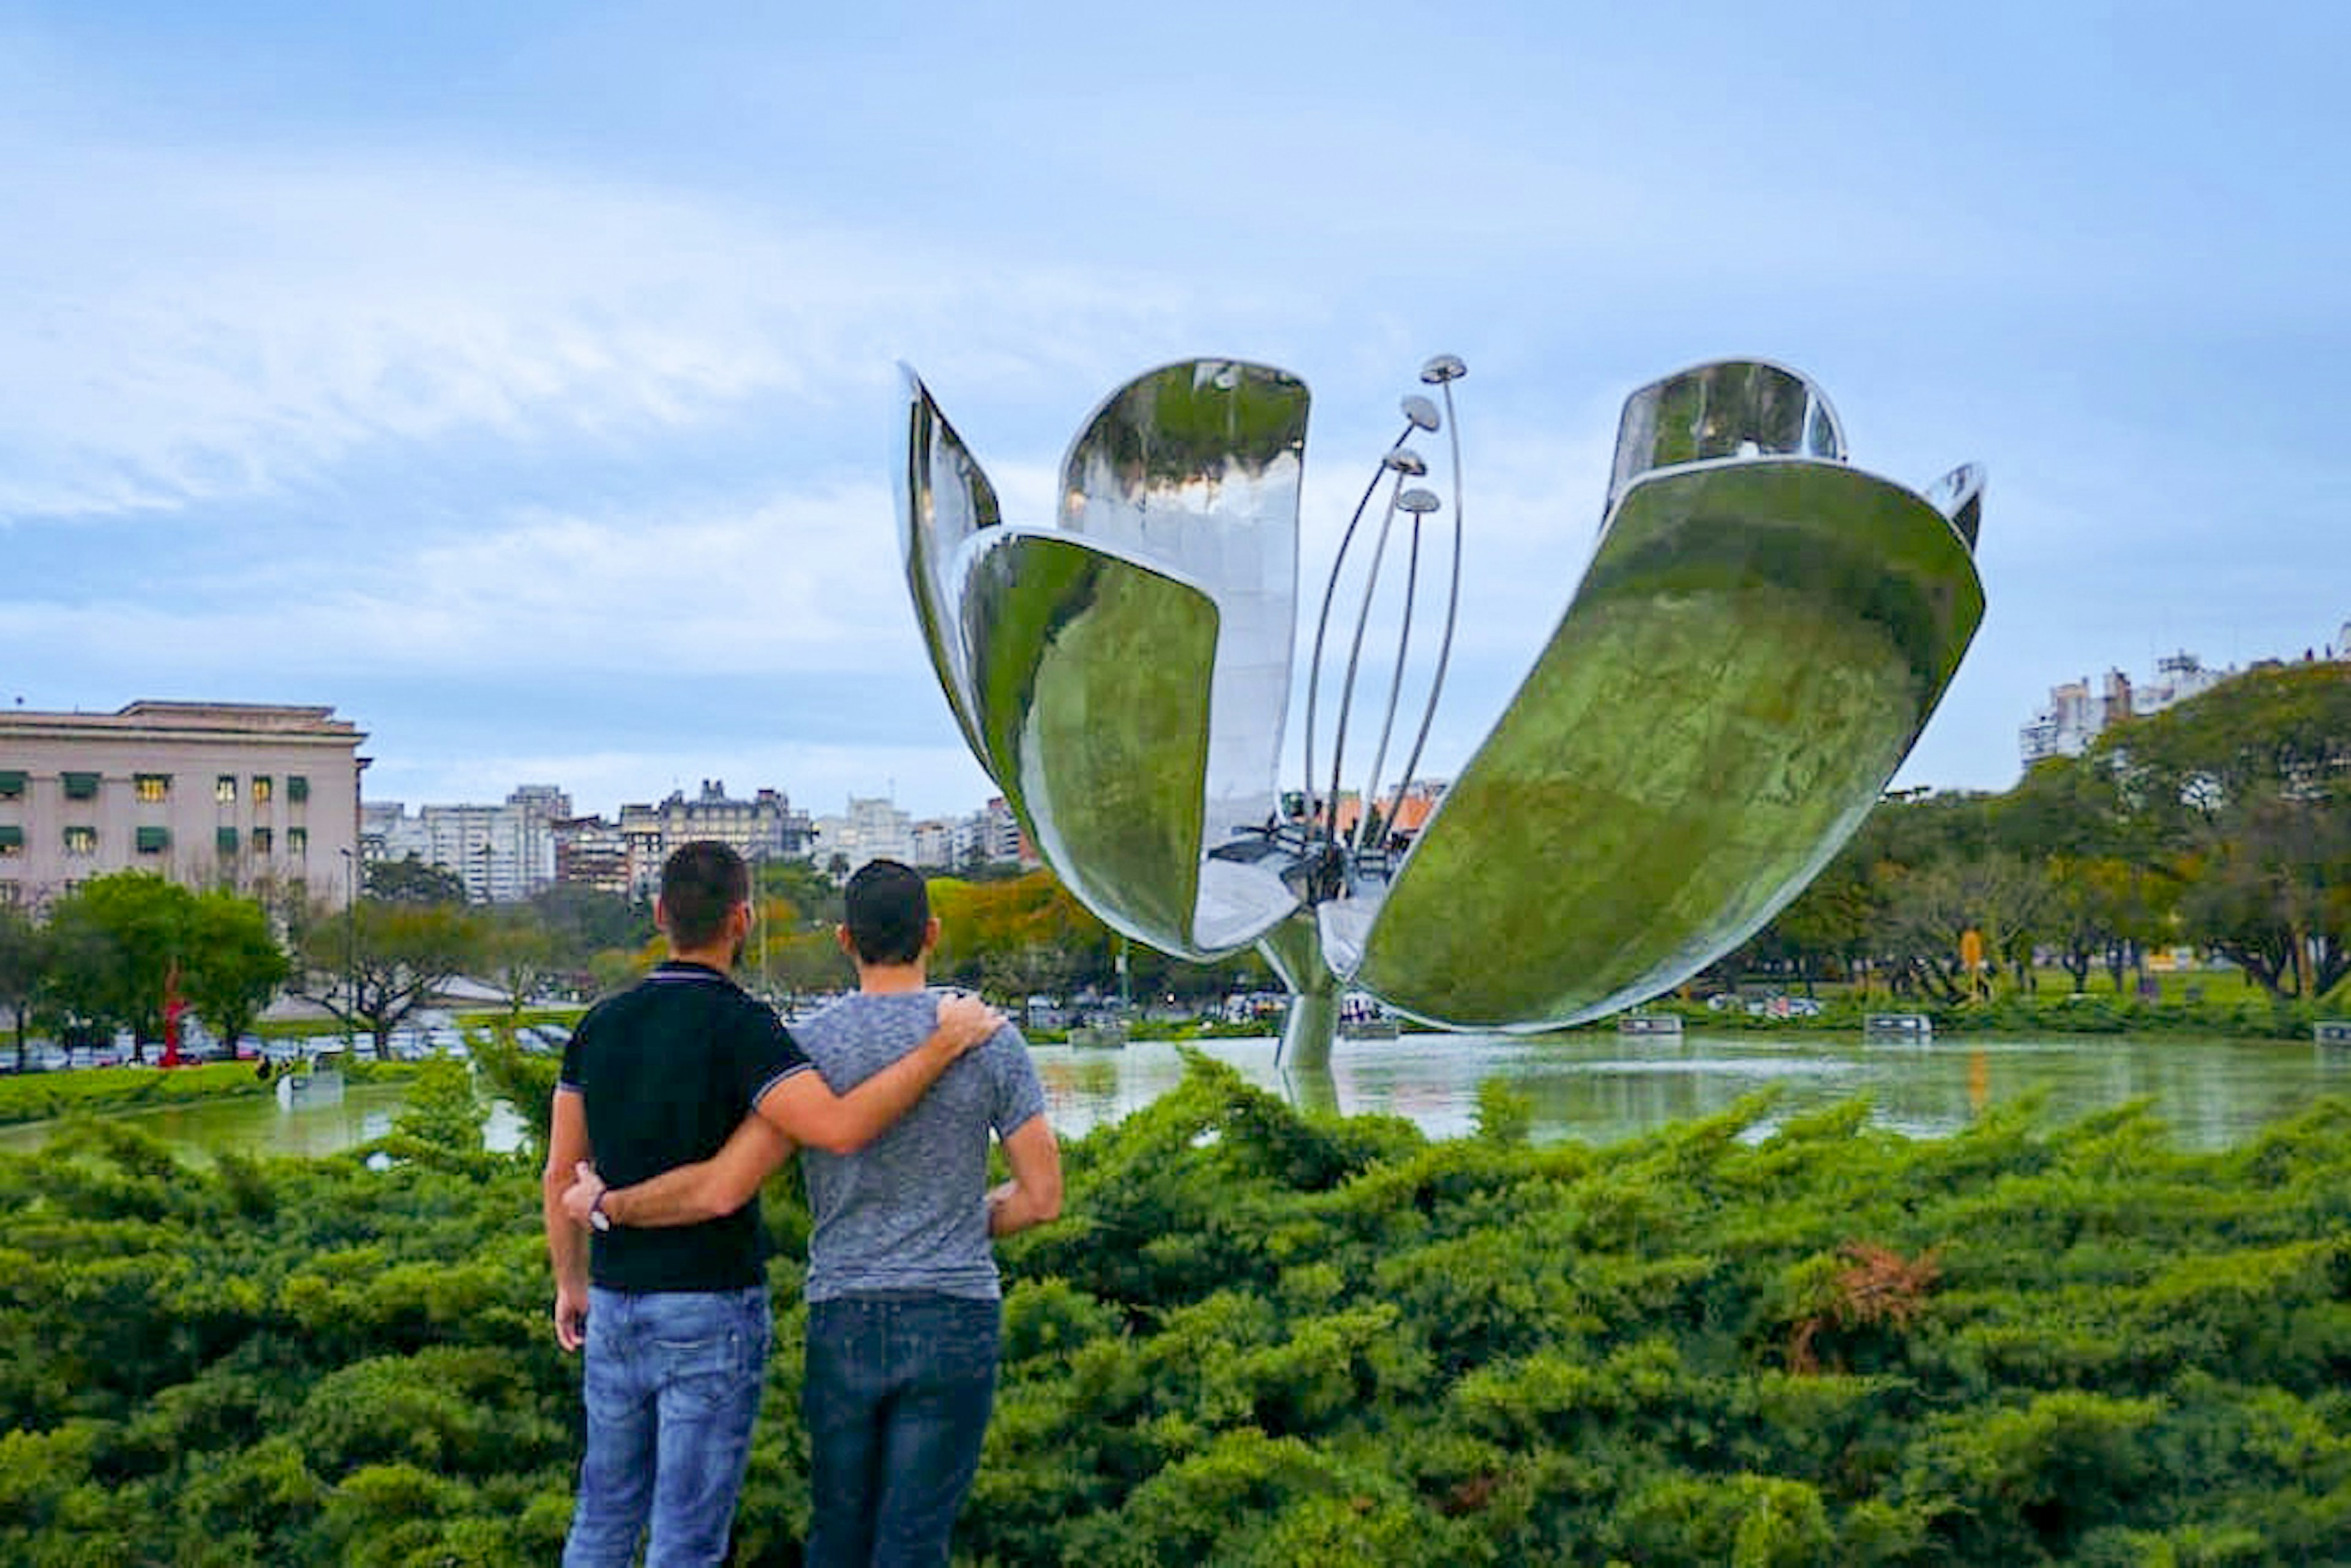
[[1294, 950]]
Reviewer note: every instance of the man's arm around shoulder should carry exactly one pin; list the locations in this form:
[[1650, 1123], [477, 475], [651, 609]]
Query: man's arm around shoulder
[[801, 1109], [804, 1108]]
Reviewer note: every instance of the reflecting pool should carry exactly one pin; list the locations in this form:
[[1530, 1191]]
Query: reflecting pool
[[1596, 1088]]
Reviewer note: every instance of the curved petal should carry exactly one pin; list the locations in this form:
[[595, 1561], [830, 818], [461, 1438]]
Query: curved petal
[[1752, 651], [1195, 467], [944, 499], [1091, 673]]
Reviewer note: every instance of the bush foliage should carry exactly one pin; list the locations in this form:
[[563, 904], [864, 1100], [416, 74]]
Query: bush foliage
[[1260, 1337]]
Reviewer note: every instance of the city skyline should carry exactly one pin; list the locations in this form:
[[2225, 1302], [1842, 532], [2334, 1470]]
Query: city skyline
[[521, 382]]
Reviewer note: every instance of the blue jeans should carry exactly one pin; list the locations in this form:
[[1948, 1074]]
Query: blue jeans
[[672, 1386], [896, 1400]]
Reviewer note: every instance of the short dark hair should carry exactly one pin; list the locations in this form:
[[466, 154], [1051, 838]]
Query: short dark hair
[[700, 883], [888, 912]]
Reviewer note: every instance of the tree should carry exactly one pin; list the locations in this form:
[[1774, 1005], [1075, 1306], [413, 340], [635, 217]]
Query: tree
[[386, 960], [24, 961], [816, 896], [2273, 892], [518, 953], [116, 942], [234, 963], [411, 881], [1830, 921], [2003, 897], [116, 938], [1026, 934], [2247, 787], [585, 920]]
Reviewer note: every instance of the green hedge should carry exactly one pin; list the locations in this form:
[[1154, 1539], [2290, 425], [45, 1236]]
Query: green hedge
[[1259, 1337]]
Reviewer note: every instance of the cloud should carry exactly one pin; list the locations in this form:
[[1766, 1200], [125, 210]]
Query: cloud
[[200, 326], [804, 580]]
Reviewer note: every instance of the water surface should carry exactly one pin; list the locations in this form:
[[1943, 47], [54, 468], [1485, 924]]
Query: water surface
[[1598, 1088]]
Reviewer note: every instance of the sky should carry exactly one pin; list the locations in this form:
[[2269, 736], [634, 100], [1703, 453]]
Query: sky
[[520, 380]]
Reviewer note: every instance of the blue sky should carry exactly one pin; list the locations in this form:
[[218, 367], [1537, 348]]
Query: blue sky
[[519, 379]]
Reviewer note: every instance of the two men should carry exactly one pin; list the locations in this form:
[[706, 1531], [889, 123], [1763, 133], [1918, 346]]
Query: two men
[[902, 1288], [675, 1322]]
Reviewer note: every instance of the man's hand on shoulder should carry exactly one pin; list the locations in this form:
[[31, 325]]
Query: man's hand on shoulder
[[964, 1021]]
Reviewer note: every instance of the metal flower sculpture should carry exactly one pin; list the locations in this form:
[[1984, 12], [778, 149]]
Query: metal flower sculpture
[[1759, 638]]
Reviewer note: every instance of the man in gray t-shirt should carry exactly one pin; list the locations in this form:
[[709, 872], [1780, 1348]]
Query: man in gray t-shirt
[[903, 1317]]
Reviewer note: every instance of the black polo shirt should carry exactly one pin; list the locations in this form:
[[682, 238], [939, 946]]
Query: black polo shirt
[[667, 1070]]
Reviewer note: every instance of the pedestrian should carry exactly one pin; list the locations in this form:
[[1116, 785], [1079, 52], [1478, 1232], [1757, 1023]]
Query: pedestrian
[[675, 1323]]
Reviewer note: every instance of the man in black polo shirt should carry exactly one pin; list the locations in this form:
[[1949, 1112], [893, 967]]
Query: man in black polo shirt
[[675, 1322]]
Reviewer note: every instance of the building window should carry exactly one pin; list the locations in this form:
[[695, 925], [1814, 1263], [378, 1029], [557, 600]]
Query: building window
[[154, 841], [224, 788], [261, 841], [225, 841], [12, 840], [11, 894], [298, 788], [151, 787], [298, 842], [261, 789], [80, 786], [81, 840], [12, 784]]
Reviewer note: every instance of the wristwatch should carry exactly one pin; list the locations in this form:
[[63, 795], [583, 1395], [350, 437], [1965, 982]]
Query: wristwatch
[[597, 1218]]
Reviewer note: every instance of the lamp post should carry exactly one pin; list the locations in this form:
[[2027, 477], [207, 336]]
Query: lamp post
[[351, 943]]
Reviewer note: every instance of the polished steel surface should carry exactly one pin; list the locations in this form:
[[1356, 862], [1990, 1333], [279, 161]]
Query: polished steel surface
[[1123, 677], [944, 500], [1197, 466], [1734, 408], [1761, 636], [1104, 752], [1752, 651]]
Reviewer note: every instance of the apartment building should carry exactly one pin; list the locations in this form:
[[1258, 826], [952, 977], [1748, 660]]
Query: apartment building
[[764, 827], [873, 829], [257, 798], [502, 853], [2074, 716]]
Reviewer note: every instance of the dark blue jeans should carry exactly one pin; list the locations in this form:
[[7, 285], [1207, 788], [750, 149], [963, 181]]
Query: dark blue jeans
[[896, 1400], [673, 1386]]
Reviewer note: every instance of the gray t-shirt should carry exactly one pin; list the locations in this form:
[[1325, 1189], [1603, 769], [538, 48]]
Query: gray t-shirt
[[909, 1211]]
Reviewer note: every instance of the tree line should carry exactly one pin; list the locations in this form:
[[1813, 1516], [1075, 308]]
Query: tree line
[[114, 953], [2222, 824]]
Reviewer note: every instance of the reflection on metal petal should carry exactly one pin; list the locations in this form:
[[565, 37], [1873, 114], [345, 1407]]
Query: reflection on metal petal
[[1195, 467], [1758, 642], [1736, 408], [1752, 653], [944, 500], [1959, 495], [1101, 751]]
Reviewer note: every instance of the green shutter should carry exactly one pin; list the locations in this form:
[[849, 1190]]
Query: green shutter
[[154, 841], [11, 837], [12, 783], [225, 841], [80, 786], [297, 787]]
